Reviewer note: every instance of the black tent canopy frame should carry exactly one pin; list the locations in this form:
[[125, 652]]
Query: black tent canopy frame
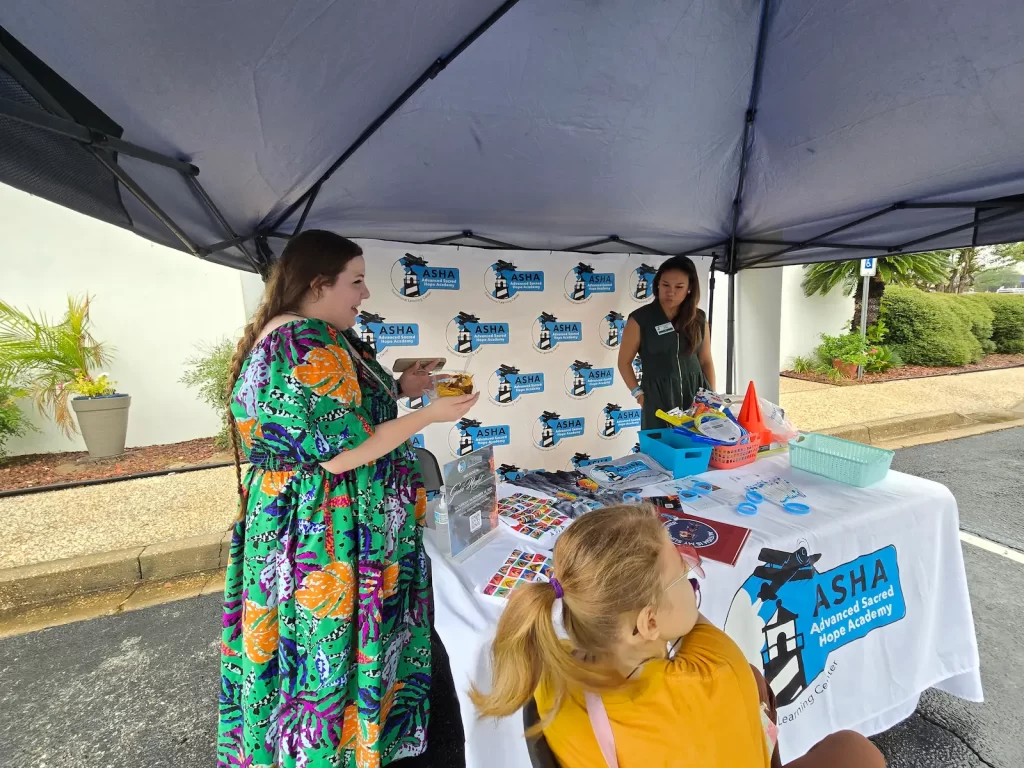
[[105, 147]]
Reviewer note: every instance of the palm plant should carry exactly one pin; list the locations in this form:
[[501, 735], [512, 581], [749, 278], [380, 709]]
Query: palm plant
[[892, 270], [43, 357]]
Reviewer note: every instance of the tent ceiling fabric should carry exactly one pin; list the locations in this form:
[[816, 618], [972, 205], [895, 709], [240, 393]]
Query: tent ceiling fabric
[[565, 122]]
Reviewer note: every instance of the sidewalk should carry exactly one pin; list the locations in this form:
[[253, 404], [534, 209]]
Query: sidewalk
[[133, 537], [814, 407]]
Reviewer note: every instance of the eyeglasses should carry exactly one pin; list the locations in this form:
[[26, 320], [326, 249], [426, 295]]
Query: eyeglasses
[[693, 583]]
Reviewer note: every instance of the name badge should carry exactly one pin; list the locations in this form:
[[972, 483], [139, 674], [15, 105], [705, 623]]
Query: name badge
[[664, 328]]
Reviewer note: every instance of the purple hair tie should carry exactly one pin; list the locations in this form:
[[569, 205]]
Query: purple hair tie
[[559, 594]]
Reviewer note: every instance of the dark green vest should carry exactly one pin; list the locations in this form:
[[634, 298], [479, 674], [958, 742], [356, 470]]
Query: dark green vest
[[671, 374]]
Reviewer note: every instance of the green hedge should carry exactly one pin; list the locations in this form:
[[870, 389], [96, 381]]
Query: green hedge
[[976, 312], [1008, 321], [930, 328]]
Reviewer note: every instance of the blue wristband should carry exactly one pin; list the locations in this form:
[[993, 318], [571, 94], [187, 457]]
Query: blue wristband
[[637, 391]]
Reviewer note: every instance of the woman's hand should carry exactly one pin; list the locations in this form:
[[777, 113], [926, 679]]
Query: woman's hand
[[446, 409], [416, 380]]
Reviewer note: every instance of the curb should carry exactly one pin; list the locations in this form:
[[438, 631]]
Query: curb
[[55, 580], [883, 430], [129, 569]]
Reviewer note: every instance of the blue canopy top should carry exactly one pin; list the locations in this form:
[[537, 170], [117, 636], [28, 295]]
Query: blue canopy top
[[611, 125]]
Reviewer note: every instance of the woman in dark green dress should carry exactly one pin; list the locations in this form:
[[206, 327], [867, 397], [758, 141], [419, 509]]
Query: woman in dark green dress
[[671, 337]]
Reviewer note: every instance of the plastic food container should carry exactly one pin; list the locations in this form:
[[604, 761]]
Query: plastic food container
[[452, 384], [842, 460], [676, 453]]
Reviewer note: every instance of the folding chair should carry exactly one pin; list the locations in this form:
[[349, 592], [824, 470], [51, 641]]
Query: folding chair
[[541, 755]]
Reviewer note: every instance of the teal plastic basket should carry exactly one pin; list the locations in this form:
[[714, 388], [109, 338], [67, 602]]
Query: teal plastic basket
[[842, 460]]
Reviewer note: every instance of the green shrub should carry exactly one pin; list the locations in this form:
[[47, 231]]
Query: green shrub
[[1008, 322], [975, 311], [926, 329], [12, 419], [209, 375]]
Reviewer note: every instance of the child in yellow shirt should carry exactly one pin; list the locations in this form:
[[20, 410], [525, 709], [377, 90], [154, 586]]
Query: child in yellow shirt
[[645, 681]]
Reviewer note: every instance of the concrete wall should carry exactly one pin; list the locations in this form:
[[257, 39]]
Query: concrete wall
[[150, 303], [804, 318]]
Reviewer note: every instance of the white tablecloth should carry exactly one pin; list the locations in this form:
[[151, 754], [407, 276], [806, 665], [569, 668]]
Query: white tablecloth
[[855, 637]]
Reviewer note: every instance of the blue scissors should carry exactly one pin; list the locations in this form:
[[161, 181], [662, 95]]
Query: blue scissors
[[749, 507]]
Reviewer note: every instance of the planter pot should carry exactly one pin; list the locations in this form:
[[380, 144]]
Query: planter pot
[[104, 423], [849, 370]]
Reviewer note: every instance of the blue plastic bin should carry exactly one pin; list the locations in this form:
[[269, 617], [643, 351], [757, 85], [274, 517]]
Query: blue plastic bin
[[676, 453]]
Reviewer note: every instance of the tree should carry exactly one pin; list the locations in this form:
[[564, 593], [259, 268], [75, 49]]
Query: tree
[[998, 277], [43, 356], [1008, 255], [892, 270]]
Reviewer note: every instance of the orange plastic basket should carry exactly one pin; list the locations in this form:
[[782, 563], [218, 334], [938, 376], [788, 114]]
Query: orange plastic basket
[[732, 456]]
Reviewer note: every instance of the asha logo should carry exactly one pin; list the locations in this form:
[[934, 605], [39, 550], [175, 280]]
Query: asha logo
[[413, 278], [788, 617], [469, 435], [504, 282], [611, 328], [582, 282], [551, 429], [549, 332], [642, 287], [413, 403], [638, 369], [616, 419], [417, 441], [581, 379], [466, 334], [380, 335], [507, 385], [580, 460], [509, 473]]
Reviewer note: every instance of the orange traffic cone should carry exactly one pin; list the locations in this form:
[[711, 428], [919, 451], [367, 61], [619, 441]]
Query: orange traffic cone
[[751, 418]]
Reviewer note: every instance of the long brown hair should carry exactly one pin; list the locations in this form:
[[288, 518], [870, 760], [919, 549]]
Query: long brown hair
[[686, 321], [312, 259], [607, 566]]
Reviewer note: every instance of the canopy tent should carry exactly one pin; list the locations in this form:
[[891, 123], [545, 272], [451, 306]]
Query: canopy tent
[[759, 132]]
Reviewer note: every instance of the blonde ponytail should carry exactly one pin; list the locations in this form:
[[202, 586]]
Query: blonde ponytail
[[607, 565]]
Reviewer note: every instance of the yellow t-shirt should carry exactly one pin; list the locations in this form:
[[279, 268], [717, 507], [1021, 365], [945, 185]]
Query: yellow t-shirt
[[700, 709]]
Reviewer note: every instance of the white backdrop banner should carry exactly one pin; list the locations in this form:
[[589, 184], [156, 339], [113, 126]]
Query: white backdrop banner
[[538, 330]]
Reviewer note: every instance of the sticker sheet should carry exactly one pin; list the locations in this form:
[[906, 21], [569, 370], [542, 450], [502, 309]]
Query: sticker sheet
[[531, 516], [521, 567]]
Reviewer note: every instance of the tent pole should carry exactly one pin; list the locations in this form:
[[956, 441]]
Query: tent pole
[[433, 71], [44, 97], [711, 295], [200, 192], [730, 346]]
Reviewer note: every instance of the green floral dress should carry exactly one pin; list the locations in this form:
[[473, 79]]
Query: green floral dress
[[325, 653]]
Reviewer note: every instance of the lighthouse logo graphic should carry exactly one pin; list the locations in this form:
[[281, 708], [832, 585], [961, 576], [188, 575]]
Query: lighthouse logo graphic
[[413, 277], [583, 281], [549, 332], [507, 384], [582, 378], [504, 281], [466, 333], [552, 428], [788, 616], [611, 328], [643, 283], [617, 419]]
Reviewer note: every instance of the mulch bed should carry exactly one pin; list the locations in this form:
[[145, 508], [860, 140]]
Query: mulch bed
[[53, 468], [987, 363]]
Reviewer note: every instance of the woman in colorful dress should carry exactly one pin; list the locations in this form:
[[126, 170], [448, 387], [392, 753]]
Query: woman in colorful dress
[[326, 646]]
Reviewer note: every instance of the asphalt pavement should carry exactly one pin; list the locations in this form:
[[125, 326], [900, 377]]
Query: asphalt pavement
[[140, 688]]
